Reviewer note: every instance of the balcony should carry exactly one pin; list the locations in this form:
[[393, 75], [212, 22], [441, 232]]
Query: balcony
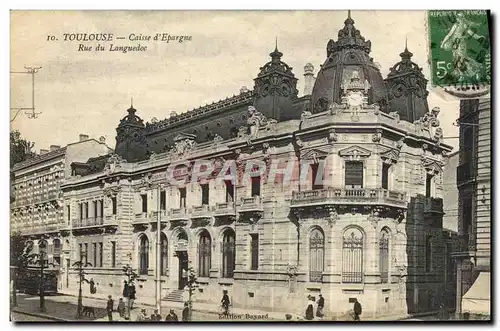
[[88, 222], [224, 209], [202, 211], [252, 204], [465, 248], [433, 206], [178, 214], [464, 173], [141, 218], [346, 196]]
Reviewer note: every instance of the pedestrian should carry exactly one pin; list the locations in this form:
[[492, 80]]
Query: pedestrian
[[156, 317], [131, 295], [225, 302], [357, 310], [172, 316], [93, 289], [321, 305], [185, 312], [143, 316], [126, 293], [121, 307], [443, 313], [109, 308], [310, 309]]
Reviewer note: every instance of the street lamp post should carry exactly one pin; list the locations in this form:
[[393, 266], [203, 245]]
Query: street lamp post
[[158, 252], [81, 275], [41, 285]]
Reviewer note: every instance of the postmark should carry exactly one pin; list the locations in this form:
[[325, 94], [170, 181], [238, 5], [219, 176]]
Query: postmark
[[460, 51]]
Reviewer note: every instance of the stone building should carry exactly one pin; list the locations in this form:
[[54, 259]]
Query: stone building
[[450, 195], [474, 204], [371, 230], [37, 207]]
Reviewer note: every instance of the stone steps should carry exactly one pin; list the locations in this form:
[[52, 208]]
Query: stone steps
[[175, 295]]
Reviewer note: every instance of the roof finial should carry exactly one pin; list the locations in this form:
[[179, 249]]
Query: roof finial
[[348, 13], [132, 102], [276, 47], [406, 44]]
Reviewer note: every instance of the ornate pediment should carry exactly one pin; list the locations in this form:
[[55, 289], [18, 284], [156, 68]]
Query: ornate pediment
[[390, 155], [314, 154], [183, 143], [432, 166], [354, 153]]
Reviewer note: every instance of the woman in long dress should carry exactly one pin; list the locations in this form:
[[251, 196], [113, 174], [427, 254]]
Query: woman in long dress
[[310, 309]]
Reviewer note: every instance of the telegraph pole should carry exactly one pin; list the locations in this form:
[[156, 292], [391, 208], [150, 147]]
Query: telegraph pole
[[31, 114], [158, 251]]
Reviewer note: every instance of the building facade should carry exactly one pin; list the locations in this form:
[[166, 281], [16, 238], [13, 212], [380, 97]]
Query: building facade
[[474, 203], [371, 230], [37, 208]]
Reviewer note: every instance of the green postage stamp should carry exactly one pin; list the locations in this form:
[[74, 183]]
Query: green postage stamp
[[460, 52]]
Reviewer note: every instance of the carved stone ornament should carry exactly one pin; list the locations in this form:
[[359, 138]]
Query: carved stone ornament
[[113, 163], [299, 142], [395, 115], [374, 218], [333, 216], [257, 121], [427, 122], [377, 136], [291, 270], [218, 138], [332, 136], [183, 143], [305, 115], [400, 143], [146, 180]]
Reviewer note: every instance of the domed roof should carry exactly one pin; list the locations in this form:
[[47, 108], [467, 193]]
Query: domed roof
[[350, 53], [131, 119]]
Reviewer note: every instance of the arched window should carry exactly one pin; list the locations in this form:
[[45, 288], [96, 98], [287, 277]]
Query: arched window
[[316, 255], [143, 255], [164, 254], [384, 256], [204, 254], [352, 256], [228, 254]]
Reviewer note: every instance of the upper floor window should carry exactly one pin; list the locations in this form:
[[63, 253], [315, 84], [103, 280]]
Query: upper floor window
[[254, 245], [255, 186], [113, 203], [385, 175], [182, 195], [317, 181], [354, 174], [229, 191], [429, 180], [205, 190], [163, 200], [144, 198]]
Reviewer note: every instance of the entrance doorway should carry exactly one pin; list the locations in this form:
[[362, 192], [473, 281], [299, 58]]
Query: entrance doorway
[[182, 255]]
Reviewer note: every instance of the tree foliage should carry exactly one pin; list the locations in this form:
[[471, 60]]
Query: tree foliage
[[21, 255], [20, 148]]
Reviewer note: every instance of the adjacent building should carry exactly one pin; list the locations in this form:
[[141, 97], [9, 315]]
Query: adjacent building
[[474, 204], [37, 210], [371, 230]]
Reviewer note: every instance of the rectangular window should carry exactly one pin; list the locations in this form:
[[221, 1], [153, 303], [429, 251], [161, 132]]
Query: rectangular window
[[68, 210], [80, 210], [428, 185], [255, 251], [428, 254], [144, 198], [94, 251], [385, 176], [354, 174], [113, 202], [113, 254], [255, 186], [317, 182], [205, 191], [86, 210], [163, 200], [86, 253], [80, 251], [182, 200], [100, 254], [101, 205], [229, 191]]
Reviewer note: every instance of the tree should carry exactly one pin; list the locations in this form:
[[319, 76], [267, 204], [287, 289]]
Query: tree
[[21, 256], [192, 285], [20, 148]]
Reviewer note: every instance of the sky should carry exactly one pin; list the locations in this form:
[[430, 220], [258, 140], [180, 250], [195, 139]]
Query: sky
[[89, 92]]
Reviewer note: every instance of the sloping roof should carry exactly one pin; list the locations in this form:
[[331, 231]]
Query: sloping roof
[[200, 111], [39, 159]]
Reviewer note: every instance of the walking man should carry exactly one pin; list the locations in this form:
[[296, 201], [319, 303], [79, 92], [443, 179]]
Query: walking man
[[131, 295], [357, 310], [109, 308], [126, 296], [321, 305], [185, 312], [225, 302]]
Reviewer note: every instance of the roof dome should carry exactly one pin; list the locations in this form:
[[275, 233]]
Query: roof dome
[[349, 54]]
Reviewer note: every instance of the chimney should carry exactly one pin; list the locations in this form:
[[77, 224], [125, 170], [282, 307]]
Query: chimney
[[83, 137], [243, 89], [102, 139], [308, 78], [44, 151], [54, 147]]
